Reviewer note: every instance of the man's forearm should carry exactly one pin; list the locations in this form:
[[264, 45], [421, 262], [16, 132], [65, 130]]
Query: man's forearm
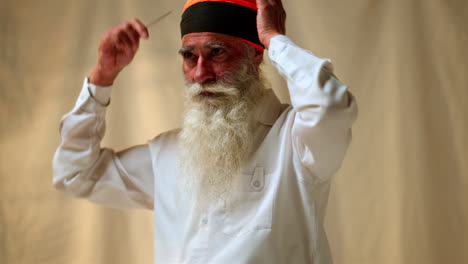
[[80, 133], [325, 110], [101, 78], [83, 169]]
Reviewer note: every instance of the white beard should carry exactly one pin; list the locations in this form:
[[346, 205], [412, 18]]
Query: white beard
[[217, 135]]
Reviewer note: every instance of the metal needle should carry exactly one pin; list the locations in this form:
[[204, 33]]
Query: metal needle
[[158, 19]]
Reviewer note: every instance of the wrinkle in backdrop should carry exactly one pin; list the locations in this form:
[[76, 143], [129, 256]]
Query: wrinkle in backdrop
[[400, 196]]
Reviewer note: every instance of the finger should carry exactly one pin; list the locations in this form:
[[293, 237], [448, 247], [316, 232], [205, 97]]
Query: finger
[[125, 43], [133, 35], [111, 41], [280, 3], [131, 32], [139, 27], [262, 3]]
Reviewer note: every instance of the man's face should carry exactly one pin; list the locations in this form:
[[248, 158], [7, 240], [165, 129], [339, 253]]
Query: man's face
[[222, 92], [211, 57]]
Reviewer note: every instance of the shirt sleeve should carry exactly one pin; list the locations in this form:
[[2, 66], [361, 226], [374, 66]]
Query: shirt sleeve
[[323, 109], [83, 169]]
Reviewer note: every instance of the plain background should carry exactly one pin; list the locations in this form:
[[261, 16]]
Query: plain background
[[400, 197]]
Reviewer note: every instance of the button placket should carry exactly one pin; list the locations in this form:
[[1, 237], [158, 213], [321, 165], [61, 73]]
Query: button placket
[[258, 179]]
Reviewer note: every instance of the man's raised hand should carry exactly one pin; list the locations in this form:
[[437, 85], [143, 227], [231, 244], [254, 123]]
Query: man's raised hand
[[271, 20], [116, 50]]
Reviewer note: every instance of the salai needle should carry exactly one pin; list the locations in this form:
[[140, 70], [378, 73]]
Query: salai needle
[[158, 19]]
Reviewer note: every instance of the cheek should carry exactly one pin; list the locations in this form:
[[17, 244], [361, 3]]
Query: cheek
[[187, 71], [227, 72], [224, 71]]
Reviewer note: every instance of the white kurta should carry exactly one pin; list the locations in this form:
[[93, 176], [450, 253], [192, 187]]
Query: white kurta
[[278, 214]]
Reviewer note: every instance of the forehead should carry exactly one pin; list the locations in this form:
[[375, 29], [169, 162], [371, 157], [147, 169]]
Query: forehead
[[199, 39]]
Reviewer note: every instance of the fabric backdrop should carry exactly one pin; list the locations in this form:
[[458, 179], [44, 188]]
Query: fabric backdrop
[[400, 196]]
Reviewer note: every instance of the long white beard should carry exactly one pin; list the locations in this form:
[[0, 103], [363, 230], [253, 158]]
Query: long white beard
[[217, 135]]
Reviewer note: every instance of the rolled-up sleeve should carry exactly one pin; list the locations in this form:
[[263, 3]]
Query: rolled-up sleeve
[[323, 108]]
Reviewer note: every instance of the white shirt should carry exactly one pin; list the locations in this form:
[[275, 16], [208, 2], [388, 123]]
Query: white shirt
[[278, 216]]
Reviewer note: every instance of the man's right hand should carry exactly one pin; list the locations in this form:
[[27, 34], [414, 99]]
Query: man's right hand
[[116, 50]]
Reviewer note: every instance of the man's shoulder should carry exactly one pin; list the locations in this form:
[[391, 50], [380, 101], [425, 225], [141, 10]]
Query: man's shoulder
[[166, 139]]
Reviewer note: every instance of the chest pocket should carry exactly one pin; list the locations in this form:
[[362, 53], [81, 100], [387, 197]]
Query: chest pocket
[[251, 208]]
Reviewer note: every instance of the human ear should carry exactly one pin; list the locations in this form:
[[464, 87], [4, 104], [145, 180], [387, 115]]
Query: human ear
[[257, 56]]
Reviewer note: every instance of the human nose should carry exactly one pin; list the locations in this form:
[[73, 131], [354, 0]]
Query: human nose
[[203, 71]]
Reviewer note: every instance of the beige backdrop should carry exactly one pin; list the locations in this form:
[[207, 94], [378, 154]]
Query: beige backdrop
[[400, 197]]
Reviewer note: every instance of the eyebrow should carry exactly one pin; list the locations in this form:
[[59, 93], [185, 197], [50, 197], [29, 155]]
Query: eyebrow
[[209, 45], [185, 49], [215, 45]]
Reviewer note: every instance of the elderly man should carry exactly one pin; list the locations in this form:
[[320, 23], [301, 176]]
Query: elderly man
[[246, 179]]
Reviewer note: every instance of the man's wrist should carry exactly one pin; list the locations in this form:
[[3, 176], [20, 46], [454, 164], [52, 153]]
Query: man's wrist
[[268, 39], [100, 94], [99, 78]]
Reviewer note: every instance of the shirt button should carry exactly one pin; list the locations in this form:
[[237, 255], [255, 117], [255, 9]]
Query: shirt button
[[205, 221], [256, 184]]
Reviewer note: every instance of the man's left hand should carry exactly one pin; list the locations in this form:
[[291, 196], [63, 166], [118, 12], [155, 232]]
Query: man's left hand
[[271, 20]]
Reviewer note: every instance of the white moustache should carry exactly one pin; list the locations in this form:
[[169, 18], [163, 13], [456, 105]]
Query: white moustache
[[218, 89]]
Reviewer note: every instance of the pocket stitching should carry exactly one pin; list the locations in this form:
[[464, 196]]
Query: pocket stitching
[[265, 221]]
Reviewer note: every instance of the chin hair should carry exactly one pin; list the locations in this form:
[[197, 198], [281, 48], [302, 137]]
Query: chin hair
[[217, 134]]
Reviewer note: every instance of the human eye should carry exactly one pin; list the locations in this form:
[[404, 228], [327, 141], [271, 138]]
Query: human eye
[[217, 51], [187, 55]]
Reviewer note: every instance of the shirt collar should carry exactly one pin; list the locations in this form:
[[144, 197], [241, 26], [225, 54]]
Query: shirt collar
[[270, 108]]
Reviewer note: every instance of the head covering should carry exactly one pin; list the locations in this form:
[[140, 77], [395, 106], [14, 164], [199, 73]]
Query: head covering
[[236, 18]]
